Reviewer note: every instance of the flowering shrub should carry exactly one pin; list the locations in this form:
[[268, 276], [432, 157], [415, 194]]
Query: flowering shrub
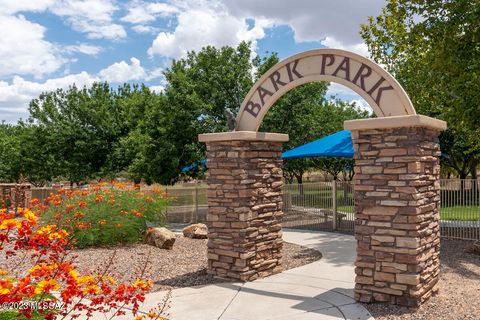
[[104, 215], [53, 276]]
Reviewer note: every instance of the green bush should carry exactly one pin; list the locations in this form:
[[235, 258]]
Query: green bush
[[105, 216]]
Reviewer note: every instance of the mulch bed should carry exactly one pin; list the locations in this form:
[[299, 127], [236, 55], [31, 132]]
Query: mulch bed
[[183, 266], [459, 296]]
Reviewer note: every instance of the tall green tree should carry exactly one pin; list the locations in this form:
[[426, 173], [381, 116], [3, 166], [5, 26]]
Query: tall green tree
[[9, 153], [307, 114], [433, 49], [200, 89], [82, 126]]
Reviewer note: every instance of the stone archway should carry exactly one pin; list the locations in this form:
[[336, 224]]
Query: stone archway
[[396, 183]]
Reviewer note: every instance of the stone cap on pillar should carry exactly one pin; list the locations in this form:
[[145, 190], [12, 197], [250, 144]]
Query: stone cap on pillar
[[415, 120], [243, 135]]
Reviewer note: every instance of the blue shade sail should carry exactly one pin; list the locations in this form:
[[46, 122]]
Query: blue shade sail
[[336, 145]]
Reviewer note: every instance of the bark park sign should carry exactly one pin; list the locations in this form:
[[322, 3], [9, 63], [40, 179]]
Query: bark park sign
[[382, 92]]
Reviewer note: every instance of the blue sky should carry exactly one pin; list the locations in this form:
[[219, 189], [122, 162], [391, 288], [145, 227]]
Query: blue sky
[[48, 44]]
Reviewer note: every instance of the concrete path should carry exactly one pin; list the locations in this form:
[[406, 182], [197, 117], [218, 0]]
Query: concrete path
[[320, 290]]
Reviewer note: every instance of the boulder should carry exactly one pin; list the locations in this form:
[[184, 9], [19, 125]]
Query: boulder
[[160, 237], [196, 231], [474, 248]]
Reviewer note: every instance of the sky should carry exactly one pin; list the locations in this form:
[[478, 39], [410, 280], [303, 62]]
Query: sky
[[50, 44]]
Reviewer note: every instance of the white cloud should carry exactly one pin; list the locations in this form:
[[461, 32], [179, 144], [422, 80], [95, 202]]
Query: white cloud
[[24, 50], [203, 25], [363, 105], [122, 71], [91, 17], [346, 94], [84, 48], [15, 96], [312, 20], [359, 48], [139, 28], [157, 89], [141, 12], [11, 7]]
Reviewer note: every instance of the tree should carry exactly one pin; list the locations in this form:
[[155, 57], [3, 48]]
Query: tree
[[81, 125], [37, 161], [306, 115], [200, 88], [9, 153], [432, 48]]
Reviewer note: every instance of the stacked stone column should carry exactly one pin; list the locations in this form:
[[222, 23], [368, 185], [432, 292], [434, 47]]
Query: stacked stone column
[[397, 198], [244, 204]]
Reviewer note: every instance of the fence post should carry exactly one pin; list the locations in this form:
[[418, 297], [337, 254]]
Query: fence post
[[196, 203], [334, 203]]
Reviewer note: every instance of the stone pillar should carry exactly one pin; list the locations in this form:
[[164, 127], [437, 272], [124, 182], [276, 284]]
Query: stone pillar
[[244, 204], [397, 199]]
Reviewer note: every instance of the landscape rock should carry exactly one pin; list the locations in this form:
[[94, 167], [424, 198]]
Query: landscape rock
[[160, 237], [196, 231], [474, 248]]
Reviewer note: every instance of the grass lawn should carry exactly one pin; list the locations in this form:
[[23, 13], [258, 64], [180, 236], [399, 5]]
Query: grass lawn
[[460, 213], [12, 315], [457, 213]]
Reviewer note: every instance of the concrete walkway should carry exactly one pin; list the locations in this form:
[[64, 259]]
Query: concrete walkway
[[320, 290]]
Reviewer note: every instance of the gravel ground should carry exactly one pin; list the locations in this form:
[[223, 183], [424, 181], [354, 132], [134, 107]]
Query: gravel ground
[[459, 296], [183, 266]]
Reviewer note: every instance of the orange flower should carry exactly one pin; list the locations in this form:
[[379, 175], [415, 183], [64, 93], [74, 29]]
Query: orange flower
[[83, 225], [118, 225], [69, 207], [102, 222], [149, 199], [137, 213], [78, 215], [111, 200], [98, 198], [123, 212], [82, 204], [43, 269]]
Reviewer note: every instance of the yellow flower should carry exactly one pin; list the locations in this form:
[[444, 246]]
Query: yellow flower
[[6, 286], [86, 280], [143, 284], [46, 229], [92, 289], [108, 278], [47, 286], [73, 274], [58, 235], [8, 224], [30, 216]]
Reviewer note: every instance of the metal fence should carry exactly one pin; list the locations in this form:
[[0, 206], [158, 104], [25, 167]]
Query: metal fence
[[188, 204], [460, 208], [329, 206], [319, 206]]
